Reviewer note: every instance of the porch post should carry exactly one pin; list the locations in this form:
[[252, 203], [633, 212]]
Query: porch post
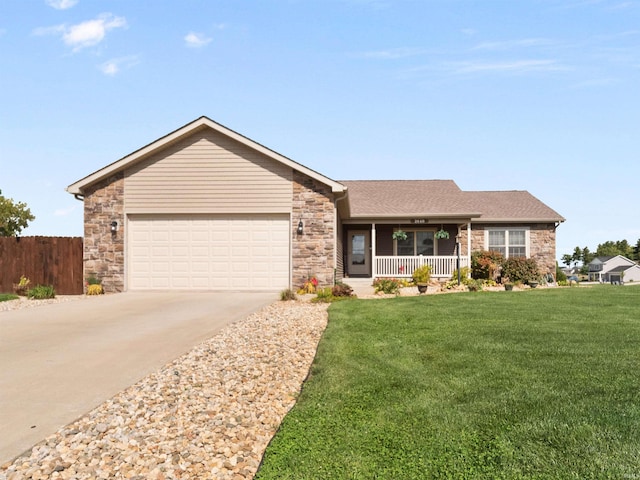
[[373, 250], [469, 249]]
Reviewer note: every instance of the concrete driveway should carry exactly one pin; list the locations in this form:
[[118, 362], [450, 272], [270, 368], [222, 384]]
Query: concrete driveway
[[59, 361]]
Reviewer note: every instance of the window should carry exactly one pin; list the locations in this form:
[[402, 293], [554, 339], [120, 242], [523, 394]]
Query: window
[[418, 242], [509, 242]]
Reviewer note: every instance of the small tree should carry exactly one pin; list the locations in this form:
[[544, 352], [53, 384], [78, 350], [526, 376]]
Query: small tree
[[14, 216]]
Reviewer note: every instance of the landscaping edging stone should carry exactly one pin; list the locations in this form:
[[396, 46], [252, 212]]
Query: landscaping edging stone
[[208, 414]]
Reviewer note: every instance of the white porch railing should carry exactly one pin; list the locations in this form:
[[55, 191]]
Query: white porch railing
[[394, 266]]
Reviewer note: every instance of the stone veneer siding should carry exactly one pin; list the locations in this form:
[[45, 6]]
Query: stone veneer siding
[[312, 253], [104, 251], [542, 242]]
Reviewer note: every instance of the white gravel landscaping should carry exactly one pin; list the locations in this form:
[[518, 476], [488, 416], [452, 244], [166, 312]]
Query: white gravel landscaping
[[208, 415]]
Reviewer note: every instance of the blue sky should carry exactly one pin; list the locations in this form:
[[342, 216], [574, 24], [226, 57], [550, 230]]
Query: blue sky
[[530, 95]]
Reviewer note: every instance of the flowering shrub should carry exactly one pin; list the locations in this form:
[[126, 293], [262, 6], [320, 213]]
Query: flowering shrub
[[310, 286], [387, 285], [94, 289], [22, 286]]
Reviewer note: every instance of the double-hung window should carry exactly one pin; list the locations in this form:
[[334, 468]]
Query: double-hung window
[[418, 242], [510, 242]]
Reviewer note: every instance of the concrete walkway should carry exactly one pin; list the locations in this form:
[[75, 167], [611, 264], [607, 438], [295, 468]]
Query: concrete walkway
[[59, 361]]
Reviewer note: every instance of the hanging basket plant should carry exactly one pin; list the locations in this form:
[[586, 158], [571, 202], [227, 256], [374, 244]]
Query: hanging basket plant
[[442, 233], [399, 235]]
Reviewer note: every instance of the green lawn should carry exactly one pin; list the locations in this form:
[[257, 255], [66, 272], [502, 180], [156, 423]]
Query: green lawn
[[7, 296], [539, 384]]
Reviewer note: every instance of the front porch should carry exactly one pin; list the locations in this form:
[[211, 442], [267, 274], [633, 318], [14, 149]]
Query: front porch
[[373, 251]]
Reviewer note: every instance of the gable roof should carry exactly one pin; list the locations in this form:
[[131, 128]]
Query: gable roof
[[622, 268], [203, 122], [443, 199], [607, 258]]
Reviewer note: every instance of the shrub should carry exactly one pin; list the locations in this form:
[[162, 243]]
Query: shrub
[[485, 264], [287, 294], [475, 285], [93, 280], [560, 275], [324, 295], [520, 269], [422, 274], [22, 287], [341, 290], [464, 274], [94, 289], [40, 292], [386, 285]]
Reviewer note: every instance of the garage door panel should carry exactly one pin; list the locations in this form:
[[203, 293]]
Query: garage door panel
[[194, 252]]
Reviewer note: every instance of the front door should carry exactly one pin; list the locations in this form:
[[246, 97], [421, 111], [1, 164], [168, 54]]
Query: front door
[[359, 253]]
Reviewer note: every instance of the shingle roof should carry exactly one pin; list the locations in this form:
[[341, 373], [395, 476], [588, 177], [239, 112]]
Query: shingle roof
[[511, 205], [441, 198], [405, 197]]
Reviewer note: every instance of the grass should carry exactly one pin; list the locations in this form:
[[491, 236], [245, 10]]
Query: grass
[[500, 385], [7, 296]]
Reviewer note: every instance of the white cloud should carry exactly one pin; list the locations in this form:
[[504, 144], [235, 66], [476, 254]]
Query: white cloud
[[511, 44], [598, 82], [394, 53], [84, 34], [196, 40], [516, 66], [113, 66], [53, 30], [63, 212], [92, 32], [61, 4]]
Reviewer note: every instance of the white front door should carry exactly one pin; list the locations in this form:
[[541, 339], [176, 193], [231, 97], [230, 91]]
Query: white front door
[[359, 253]]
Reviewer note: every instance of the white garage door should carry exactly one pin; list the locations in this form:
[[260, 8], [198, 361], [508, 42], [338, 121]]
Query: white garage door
[[208, 253]]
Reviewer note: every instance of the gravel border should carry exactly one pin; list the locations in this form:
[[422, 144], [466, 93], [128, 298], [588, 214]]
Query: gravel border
[[24, 302], [209, 414]]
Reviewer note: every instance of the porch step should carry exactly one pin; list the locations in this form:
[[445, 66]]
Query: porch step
[[361, 286]]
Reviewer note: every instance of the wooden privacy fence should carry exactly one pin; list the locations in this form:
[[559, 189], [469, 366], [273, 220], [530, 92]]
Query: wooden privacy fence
[[53, 261]]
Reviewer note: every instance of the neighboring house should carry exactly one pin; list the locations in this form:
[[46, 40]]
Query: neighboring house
[[571, 270], [614, 269], [207, 208]]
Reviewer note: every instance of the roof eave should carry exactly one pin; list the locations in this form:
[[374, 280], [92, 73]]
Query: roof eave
[[522, 220], [417, 215], [78, 187]]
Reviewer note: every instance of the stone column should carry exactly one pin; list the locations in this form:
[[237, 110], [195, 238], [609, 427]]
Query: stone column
[[104, 250], [312, 252]]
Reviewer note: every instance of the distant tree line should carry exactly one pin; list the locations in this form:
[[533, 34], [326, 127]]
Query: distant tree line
[[584, 256]]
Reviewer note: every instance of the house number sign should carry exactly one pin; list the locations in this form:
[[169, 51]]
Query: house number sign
[[419, 220]]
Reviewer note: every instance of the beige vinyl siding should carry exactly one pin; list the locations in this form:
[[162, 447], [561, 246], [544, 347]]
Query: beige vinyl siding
[[339, 251], [208, 172]]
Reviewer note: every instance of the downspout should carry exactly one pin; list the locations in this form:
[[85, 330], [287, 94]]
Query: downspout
[[78, 196], [335, 233]]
